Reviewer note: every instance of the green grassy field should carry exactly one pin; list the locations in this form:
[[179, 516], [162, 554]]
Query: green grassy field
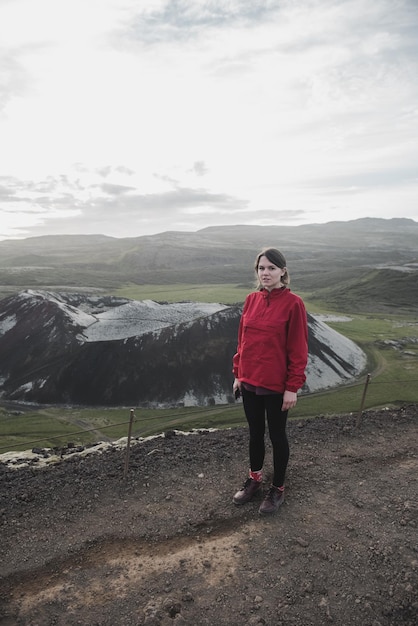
[[224, 293], [393, 369]]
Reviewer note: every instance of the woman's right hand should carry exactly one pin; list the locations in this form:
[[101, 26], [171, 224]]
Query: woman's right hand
[[236, 385]]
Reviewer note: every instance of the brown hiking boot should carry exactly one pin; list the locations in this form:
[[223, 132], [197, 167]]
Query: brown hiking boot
[[247, 492], [274, 498]]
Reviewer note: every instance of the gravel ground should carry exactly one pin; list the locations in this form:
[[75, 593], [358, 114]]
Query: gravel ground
[[165, 546]]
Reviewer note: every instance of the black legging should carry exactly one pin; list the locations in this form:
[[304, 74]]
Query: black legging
[[257, 408]]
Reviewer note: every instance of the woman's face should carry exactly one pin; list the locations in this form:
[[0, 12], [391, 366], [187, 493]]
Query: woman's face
[[269, 275]]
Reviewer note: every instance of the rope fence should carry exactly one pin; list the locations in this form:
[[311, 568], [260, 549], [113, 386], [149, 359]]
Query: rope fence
[[221, 409]]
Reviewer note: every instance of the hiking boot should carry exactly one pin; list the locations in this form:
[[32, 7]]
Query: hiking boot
[[247, 492], [274, 498]]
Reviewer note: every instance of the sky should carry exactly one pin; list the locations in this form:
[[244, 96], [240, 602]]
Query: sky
[[135, 117]]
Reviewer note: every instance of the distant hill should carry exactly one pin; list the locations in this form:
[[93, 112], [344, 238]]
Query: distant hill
[[390, 289], [319, 256]]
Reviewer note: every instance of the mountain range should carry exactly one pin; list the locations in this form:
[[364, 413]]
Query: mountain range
[[339, 256]]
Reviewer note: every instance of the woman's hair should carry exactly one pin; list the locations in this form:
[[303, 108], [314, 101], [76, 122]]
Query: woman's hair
[[275, 257]]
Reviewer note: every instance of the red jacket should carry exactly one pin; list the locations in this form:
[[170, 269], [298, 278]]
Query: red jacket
[[272, 341]]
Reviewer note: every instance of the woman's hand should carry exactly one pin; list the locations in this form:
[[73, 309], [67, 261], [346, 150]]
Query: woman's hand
[[236, 385], [289, 400]]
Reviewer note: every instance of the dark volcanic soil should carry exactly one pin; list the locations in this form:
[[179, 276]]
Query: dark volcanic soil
[[167, 547]]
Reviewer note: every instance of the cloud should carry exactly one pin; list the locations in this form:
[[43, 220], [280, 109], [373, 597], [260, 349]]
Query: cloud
[[70, 205], [13, 77], [115, 190], [199, 168], [178, 20], [107, 170], [366, 180], [176, 203]]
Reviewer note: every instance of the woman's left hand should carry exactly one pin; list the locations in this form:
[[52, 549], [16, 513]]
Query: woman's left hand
[[289, 400]]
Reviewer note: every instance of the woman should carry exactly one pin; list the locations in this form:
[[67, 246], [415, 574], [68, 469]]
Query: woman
[[269, 368]]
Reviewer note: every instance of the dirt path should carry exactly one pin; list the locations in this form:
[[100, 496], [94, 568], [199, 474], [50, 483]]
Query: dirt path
[[83, 425], [80, 546]]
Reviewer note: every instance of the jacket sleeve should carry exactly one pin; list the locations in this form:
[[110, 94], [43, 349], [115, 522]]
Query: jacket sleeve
[[297, 347], [236, 357]]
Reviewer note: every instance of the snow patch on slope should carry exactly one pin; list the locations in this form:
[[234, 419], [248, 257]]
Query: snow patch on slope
[[136, 318], [77, 316], [342, 362], [7, 324]]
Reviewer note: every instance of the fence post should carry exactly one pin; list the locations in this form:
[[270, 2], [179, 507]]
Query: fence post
[[128, 444], [363, 398]]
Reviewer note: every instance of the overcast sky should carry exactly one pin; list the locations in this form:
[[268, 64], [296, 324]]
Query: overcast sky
[[133, 117]]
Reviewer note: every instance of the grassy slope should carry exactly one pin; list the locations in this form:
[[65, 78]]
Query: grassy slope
[[372, 290], [228, 293]]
